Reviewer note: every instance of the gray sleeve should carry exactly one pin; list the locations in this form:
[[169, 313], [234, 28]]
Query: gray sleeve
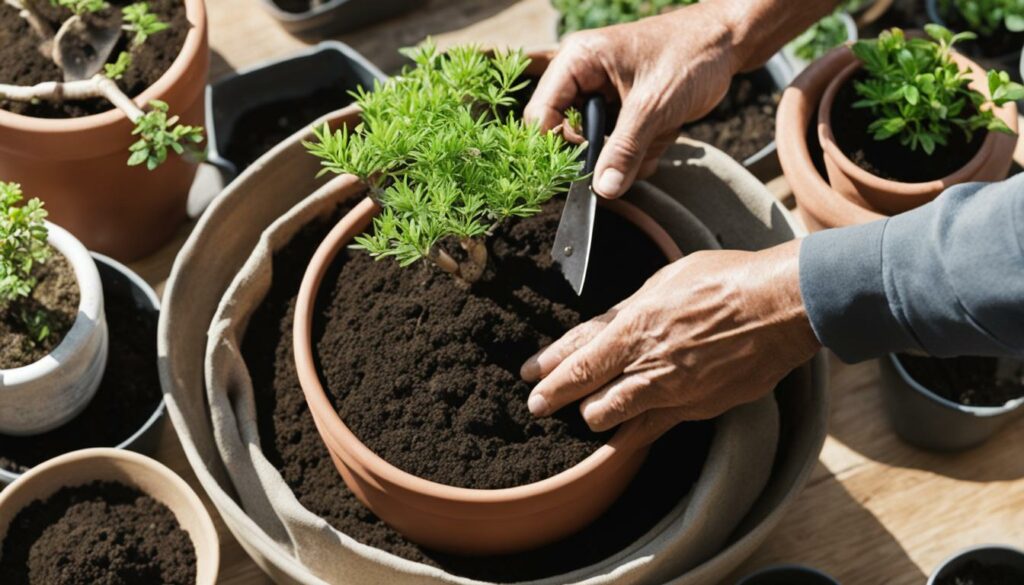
[[946, 278]]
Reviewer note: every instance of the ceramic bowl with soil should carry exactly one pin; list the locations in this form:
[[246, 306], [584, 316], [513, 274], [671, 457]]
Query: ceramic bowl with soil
[[982, 565], [128, 406], [951, 404], [1001, 49], [44, 384], [313, 20], [73, 154], [105, 516]]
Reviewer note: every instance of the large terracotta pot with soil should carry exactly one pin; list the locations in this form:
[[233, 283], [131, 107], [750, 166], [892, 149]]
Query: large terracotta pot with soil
[[73, 154]]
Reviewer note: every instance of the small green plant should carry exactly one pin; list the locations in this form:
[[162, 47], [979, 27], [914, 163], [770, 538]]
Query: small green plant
[[445, 157], [143, 23], [159, 133], [80, 7], [917, 93], [587, 14], [988, 17], [118, 68], [23, 245], [820, 38]]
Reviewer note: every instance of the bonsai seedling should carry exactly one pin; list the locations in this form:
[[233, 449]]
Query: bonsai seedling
[[918, 94], [89, 75], [587, 14], [446, 158], [822, 36], [988, 17], [23, 246]]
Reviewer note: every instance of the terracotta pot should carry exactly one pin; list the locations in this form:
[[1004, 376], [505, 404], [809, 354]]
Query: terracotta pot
[[991, 162], [145, 474], [77, 165], [454, 519]]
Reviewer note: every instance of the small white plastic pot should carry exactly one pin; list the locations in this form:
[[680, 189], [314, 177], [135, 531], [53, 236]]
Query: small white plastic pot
[[48, 393]]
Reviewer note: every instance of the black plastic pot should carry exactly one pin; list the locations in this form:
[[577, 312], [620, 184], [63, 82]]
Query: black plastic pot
[[1008, 62], [788, 575], [927, 420], [336, 16], [987, 555]]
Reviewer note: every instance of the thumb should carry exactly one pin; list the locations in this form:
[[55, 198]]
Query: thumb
[[625, 149]]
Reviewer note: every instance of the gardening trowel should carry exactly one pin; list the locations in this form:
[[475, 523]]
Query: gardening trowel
[[80, 49], [571, 249]]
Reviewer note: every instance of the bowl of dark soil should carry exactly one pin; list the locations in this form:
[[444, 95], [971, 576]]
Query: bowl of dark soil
[[128, 406], [951, 404], [251, 111], [313, 20], [72, 142], [999, 27], [105, 516], [982, 565], [788, 575]]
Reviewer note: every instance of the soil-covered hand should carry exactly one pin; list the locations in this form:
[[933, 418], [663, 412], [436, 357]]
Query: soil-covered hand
[[709, 332]]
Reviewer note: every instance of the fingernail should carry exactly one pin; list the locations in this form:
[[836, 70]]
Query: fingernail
[[538, 405], [530, 371], [609, 184]]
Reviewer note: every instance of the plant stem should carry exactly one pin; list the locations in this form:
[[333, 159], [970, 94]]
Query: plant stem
[[474, 267], [444, 261], [98, 86]]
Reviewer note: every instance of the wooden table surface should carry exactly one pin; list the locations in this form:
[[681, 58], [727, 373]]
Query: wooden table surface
[[875, 511]]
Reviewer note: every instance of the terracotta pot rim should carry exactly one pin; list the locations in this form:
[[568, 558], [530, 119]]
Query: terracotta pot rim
[[899, 188], [623, 443], [195, 11]]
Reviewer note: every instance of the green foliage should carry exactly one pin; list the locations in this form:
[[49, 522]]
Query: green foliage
[[22, 243], [988, 17], [443, 153], [118, 68], [587, 14], [575, 119], [918, 93], [824, 35], [139, 20], [81, 7], [159, 133], [37, 324]]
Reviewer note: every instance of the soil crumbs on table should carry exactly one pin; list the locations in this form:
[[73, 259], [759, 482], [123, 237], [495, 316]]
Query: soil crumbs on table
[[970, 381], [744, 122], [290, 440], [128, 394], [101, 533], [975, 573], [56, 295], [22, 63]]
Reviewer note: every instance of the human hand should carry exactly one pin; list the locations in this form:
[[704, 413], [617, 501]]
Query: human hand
[[707, 333]]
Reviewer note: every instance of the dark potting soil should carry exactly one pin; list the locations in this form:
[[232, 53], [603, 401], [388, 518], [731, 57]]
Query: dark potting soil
[[102, 533], [744, 122], [971, 381], [288, 437], [56, 293], [128, 394], [22, 63], [975, 573], [262, 128], [888, 158]]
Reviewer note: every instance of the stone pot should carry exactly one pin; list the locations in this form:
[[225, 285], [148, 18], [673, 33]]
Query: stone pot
[[993, 554], [134, 470], [77, 165], [336, 16], [46, 394]]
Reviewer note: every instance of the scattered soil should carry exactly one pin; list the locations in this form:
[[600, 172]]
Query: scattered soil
[[22, 63], [56, 293], [975, 573], [102, 533], [290, 440], [971, 381], [744, 122], [263, 127], [128, 394], [888, 158]]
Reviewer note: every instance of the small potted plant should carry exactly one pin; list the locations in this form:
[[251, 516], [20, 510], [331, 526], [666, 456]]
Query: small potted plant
[[998, 24], [54, 328], [459, 194], [823, 36], [981, 565], [101, 95]]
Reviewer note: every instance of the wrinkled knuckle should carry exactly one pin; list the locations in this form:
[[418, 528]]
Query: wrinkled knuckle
[[580, 373], [627, 146]]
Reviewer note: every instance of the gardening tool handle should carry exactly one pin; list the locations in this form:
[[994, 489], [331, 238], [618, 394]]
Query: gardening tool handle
[[594, 120]]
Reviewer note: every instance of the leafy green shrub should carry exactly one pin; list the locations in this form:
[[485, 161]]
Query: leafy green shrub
[[820, 38], [445, 157], [587, 14], [23, 245], [916, 92], [988, 17]]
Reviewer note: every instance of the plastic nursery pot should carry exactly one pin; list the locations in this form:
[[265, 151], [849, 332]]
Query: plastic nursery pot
[[47, 393], [991, 163], [1005, 61], [328, 66], [924, 419], [992, 555], [819, 205], [131, 469], [453, 519], [788, 575], [798, 64], [309, 21], [78, 165]]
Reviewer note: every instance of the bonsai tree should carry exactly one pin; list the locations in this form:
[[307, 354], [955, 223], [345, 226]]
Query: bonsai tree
[[820, 38], [445, 156], [587, 14], [988, 17], [919, 95], [157, 130], [23, 246]]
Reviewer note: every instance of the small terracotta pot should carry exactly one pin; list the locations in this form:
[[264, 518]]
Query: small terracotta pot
[[991, 162], [455, 519], [77, 165], [142, 473]]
